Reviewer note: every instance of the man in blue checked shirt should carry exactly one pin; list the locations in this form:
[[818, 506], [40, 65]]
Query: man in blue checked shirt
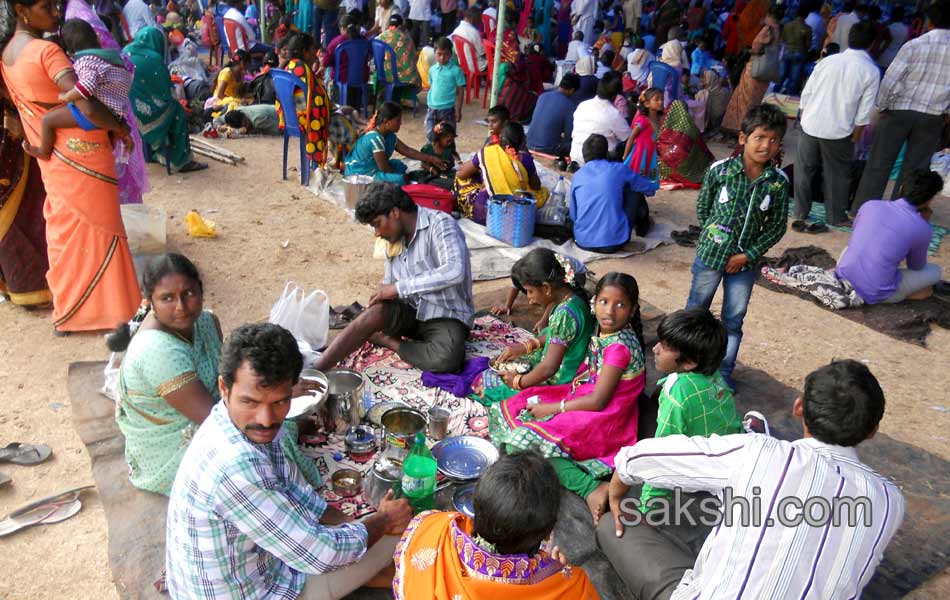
[[242, 521], [423, 309]]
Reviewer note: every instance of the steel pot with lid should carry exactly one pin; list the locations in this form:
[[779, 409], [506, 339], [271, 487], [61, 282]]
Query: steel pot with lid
[[360, 443], [400, 426]]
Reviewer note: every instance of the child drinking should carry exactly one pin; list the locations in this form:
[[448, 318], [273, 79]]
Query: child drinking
[[549, 280], [580, 278], [640, 152], [694, 398], [447, 88], [582, 425], [743, 212], [101, 75]]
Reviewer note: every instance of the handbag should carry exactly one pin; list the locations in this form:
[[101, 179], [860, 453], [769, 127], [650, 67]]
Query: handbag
[[765, 66]]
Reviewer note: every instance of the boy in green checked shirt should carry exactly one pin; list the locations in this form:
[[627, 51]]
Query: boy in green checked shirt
[[743, 211], [694, 398]]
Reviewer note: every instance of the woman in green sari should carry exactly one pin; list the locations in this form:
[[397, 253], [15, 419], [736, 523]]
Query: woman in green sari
[[161, 118], [168, 381], [406, 57], [548, 279]]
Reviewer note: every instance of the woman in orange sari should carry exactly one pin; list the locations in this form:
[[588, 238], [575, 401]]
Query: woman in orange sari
[[498, 552], [91, 275]]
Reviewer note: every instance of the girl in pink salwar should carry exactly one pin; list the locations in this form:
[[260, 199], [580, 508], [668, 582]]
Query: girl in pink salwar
[[582, 425]]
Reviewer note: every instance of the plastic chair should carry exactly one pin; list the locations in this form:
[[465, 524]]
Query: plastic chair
[[230, 31], [383, 53], [285, 85], [465, 50], [357, 53], [224, 46], [488, 26], [662, 73], [490, 54]]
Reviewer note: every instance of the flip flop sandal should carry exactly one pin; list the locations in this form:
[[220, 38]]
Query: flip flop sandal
[[52, 509], [25, 454], [799, 226], [352, 311], [683, 238], [816, 228], [4, 479], [337, 320]]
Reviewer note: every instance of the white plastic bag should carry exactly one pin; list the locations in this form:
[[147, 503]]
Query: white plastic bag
[[110, 377], [145, 228], [305, 316]]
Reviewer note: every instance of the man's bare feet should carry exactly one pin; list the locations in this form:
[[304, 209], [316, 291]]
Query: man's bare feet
[[36, 151], [381, 339], [923, 294], [597, 501]]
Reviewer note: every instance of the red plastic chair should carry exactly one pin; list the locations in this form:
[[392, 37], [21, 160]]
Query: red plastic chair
[[465, 50], [488, 26], [230, 34], [490, 54]]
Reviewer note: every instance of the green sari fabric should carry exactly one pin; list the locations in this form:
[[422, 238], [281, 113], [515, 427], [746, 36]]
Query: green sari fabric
[[570, 324], [162, 120]]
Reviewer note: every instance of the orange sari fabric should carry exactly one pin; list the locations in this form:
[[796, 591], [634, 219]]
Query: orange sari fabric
[[436, 558], [91, 274]]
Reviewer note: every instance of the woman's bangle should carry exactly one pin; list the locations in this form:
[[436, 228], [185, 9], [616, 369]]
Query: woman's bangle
[[563, 400], [516, 382]]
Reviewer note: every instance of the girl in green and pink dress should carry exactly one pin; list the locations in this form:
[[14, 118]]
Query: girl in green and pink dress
[[582, 425], [549, 280]]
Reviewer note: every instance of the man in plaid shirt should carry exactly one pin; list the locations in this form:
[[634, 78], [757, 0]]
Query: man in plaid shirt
[[743, 211], [242, 521]]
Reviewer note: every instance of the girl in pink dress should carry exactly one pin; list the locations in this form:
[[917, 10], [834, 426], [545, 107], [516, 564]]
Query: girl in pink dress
[[640, 153], [583, 424]]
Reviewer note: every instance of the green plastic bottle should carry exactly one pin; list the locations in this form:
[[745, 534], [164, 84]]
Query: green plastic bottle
[[418, 475]]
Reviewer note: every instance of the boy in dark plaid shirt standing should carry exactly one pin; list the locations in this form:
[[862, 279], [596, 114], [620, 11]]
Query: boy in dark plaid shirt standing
[[743, 211]]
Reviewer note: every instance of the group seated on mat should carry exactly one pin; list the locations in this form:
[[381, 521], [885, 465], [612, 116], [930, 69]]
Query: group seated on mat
[[205, 424]]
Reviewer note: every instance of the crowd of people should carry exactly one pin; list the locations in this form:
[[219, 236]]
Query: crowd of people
[[621, 96]]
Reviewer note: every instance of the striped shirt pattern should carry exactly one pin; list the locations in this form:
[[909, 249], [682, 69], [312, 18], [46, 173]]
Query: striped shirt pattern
[[739, 216], [774, 561], [919, 76], [108, 83], [434, 272], [243, 523]]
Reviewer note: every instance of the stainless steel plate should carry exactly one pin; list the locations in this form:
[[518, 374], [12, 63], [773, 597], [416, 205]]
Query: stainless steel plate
[[375, 414], [463, 458], [463, 500]]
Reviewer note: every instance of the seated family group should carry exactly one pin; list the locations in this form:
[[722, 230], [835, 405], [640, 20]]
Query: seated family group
[[205, 424]]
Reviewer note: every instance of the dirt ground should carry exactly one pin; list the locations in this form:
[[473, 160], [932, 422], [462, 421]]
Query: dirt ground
[[245, 268]]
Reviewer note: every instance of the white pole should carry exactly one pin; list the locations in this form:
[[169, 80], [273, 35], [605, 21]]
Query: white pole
[[496, 60]]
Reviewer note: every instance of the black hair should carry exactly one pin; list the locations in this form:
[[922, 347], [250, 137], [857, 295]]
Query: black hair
[[777, 12], [595, 148], [78, 35], [387, 112], [861, 36], [516, 503], [629, 286], [512, 136], [353, 31], [939, 14], [697, 335], [570, 81], [897, 14], [609, 87], [766, 116], [874, 12], [501, 112], [862, 8], [843, 403], [607, 58], [380, 198], [579, 36], [472, 13], [170, 263], [920, 186], [242, 57], [237, 119], [648, 94], [803, 10], [832, 48], [848, 6], [443, 43], [639, 43], [271, 59], [298, 44], [541, 266], [270, 350], [395, 20]]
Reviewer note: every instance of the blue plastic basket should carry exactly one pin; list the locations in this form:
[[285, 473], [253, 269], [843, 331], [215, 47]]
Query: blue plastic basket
[[511, 219]]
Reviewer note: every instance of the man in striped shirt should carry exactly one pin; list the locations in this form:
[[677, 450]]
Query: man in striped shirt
[[242, 521], [803, 519], [423, 309]]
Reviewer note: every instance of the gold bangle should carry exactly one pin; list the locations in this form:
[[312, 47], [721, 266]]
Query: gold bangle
[[563, 400], [516, 382], [527, 347]]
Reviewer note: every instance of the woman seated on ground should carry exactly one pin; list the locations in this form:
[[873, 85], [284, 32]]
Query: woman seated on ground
[[582, 425], [161, 119], [372, 153], [497, 169], [555, 355], [452, 556], [168, 381], [229, 85]]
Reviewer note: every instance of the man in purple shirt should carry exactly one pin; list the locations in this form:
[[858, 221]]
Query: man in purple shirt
[[885, 235]]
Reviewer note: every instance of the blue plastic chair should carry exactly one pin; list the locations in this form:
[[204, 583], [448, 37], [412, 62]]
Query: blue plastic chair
[[285, 84], [357, 53], [223, 36], [662, 75], [383, 53]]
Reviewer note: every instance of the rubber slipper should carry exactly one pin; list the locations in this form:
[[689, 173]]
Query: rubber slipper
[[816, 228], [193, 166], [4, 479], [799, 226], [352, 311], [25, 454], [52, 509]]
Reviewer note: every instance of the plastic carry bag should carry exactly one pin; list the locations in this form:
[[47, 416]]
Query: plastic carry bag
[[110, 377], [306, 316], [145, 228]]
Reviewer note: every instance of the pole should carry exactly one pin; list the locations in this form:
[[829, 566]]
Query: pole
[[496, 60], [262, 22]]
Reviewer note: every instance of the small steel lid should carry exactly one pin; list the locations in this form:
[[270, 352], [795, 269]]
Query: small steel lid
[[360, 439]]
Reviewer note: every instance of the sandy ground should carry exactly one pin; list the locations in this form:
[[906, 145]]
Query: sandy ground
[[245, 269]]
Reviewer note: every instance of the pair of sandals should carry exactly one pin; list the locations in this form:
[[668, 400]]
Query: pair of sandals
[[806, 227], [687, 237], [23, 454], [341, 316], [49, 510]]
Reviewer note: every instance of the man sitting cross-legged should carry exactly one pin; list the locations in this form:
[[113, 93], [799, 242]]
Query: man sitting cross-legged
[[242, 522], [423, 309]]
